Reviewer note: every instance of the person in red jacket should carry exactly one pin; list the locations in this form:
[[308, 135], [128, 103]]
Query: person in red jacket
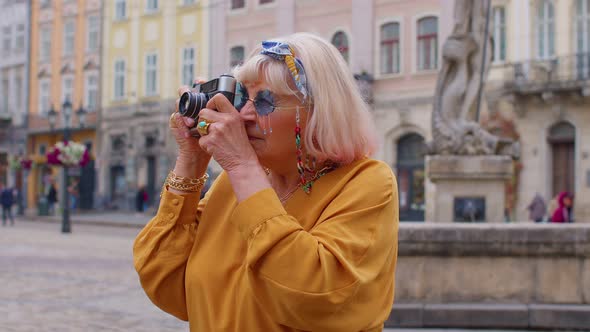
[[563, 213]]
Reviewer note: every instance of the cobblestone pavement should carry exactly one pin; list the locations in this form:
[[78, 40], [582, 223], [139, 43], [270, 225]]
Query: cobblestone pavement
[[83, 281]]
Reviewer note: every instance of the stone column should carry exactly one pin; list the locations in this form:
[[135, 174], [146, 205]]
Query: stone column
[[468, 187]]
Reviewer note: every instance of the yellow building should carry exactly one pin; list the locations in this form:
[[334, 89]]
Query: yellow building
[[65, 65], [151, 48]]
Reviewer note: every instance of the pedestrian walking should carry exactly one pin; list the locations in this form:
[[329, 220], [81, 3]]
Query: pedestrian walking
[[7, 200], [537, 208], [74, 193], [563, 213], [299, 231], [51, 197], [141, 199]]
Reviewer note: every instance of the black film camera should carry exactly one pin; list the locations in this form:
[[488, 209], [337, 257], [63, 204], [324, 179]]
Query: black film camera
[[192, 102]]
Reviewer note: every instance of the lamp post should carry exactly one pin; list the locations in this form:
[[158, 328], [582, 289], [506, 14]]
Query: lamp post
[[67, 113], [81, 113]]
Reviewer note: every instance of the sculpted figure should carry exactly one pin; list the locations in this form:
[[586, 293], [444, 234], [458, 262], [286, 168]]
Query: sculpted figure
[[458, 85]]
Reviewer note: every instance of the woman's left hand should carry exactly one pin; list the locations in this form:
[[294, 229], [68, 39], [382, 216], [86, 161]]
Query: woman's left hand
[[226, 140]]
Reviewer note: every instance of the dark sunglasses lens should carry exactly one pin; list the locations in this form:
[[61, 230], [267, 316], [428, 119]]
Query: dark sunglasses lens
[[241, 97], [263, 107]]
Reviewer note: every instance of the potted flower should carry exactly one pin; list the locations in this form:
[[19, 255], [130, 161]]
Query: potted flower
[[20, 162], [26, 164], [68, 154], [14, 163]]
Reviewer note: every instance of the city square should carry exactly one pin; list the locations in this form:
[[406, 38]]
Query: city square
[[463, 122], [84, 281]]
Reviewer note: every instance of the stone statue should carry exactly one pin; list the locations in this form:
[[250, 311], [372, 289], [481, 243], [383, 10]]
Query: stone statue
[[458, 85]]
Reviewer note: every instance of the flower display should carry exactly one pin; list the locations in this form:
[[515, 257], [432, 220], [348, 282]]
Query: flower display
[[26, 164], [68, 154], [19, 162], [14, 163]]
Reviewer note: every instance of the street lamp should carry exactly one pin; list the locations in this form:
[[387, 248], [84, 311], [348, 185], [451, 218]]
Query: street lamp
[[52, 116], [81, 112], [67, 113]]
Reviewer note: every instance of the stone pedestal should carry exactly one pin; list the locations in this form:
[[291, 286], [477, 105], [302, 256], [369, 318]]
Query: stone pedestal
[[468, 188]]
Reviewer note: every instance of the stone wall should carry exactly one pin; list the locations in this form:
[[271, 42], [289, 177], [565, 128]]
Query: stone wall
[[493, 276]]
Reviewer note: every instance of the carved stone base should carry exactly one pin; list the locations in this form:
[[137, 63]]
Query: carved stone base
[[468, 188]]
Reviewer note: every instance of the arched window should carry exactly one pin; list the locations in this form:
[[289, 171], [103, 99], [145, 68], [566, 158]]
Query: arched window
[[390, 49], [236, 56], [545, 29], [427, 43], [562, 137], [410, 174], [341, 42]]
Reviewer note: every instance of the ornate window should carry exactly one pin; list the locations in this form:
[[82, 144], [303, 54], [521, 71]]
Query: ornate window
[[236, 56], [237, 4], [427, 43], [93, 33], [545, 29], [151, 74], [19, 38], [340, 40], [499, 34], [45, 44], [583, 39], [583, 26], [91, 92], [44, 96], [411, 176], [119, 79], [151, 6], [69, 35], [67, 88], [120, 9], [390, 48], [188, 66]]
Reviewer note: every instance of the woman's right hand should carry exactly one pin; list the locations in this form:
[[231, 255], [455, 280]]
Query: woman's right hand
[[191, 157]]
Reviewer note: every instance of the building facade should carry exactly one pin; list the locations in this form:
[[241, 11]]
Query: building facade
[[539, 81], [154, 47], [536, 89], [392, 48], [65, 66], [14, 66]]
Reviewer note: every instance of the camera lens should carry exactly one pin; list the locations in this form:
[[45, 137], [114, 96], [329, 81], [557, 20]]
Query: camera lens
[[191, 104], [187, 103]]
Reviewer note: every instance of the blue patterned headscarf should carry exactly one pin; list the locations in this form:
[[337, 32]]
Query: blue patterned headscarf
[[283, 52]]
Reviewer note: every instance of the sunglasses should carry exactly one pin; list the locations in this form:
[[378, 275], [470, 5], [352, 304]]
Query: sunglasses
[[264, 102]]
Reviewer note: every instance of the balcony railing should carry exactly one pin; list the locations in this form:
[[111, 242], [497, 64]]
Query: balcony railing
[[40, 124], [561, 73]]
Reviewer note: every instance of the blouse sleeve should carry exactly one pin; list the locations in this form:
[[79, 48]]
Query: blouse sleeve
[[162, 248], [344, 266]]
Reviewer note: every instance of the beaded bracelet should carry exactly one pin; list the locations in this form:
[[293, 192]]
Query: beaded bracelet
[[184, 183]]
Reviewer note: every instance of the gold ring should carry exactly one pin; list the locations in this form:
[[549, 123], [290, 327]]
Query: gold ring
[[172, 121], [203, 127]]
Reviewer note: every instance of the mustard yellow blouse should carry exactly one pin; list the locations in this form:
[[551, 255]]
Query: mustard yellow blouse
[[322, 262]]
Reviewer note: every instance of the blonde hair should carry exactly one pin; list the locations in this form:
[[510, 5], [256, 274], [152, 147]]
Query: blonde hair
[[339, 127]]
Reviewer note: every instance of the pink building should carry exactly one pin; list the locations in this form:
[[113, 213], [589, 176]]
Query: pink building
[[391, 45]]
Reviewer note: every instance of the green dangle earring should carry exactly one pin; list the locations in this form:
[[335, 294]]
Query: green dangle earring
[[300, 167]]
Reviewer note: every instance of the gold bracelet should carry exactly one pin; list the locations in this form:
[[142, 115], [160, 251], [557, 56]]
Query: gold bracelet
[[184, 183]]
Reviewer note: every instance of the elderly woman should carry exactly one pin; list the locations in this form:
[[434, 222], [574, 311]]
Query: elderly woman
[[299, 232]]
